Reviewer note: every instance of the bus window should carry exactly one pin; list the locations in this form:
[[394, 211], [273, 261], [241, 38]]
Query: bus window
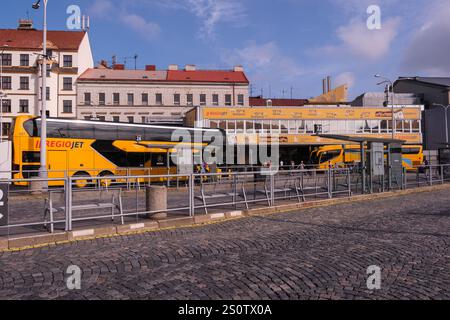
[[314, 158], [329, 155], [31, 157], [135, 160], [410, 150], [105, 132], [31, 128], [57, 130], [79, 131], [129, 133], [164, 134], [159, 160]]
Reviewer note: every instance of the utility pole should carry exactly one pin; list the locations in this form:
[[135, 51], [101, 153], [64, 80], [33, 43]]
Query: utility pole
[[43, 154], [390, 91]]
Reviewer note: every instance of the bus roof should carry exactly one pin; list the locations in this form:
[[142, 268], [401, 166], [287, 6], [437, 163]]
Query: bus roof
[[135, 125]]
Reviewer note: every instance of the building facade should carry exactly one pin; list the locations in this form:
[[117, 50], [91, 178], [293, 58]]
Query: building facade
[[150, 95], [296, 129], [434, 93], [21, 79]]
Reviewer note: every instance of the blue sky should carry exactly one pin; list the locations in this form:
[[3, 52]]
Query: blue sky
[[281, 43]]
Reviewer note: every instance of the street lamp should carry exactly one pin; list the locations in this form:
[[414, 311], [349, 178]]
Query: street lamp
[[2, 95], [446, 119], [390, 89], [43, 168]]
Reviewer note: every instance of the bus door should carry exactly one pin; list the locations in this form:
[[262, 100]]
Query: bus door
[[57, 164]]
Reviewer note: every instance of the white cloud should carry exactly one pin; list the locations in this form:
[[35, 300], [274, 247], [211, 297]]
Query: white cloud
[[146, 29], [357, 40], [428, 51], [213, 12], [347, 78], [107, 9], [265, 62], [101, 8]]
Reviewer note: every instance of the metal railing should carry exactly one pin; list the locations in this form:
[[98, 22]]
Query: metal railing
[[195, 194]]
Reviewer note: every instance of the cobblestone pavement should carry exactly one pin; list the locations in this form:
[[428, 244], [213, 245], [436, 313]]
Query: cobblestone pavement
[[320, 253]]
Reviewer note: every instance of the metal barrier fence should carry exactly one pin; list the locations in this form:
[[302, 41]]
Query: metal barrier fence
[[124, 199]]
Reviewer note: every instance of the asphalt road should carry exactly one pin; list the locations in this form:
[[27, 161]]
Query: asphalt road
[[320, 253]]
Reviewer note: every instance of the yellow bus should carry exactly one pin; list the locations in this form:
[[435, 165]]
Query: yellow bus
[[82, 148], [323, 157]]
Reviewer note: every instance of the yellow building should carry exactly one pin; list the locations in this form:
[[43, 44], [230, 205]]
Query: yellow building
[[295, 129]]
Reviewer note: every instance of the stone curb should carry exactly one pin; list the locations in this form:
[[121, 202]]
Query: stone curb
[[40, 240]]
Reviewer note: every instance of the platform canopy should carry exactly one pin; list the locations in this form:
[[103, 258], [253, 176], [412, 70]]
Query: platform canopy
[[361, 139]]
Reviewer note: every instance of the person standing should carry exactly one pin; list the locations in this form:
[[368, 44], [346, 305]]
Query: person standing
[[213, 170]]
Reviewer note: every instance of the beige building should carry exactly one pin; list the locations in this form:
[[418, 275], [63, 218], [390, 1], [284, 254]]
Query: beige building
[[70, 54], [150, 95]]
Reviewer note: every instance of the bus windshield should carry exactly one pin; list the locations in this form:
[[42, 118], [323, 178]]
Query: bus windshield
[[329, 155]]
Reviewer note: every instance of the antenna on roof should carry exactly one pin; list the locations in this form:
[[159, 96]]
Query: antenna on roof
[[134, 58]]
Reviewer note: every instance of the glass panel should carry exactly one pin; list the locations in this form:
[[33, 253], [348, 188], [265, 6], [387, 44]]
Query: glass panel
[[360, 125], [309, 126], [249, 126], [266, 126], [399, 125], [384, 126], [105, 132], [240, 125], [275, 126], [80, 130], [284, 126], [231, 126], [415, 125]]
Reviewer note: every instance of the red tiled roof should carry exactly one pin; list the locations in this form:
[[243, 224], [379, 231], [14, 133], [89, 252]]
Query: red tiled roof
[[207, 76], [32, 39], [164, 76], [123, 75], [260, 102]]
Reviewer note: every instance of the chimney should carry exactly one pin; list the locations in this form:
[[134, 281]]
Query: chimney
[[329, 83], [25, 24], [173, 67], [324, 86], [119, 66], [150, 67], [190, 67], [103, 64], [238, 69]]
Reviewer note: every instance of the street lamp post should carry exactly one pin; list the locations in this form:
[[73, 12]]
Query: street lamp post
[[43, 167], [446, 119], [391, 93]]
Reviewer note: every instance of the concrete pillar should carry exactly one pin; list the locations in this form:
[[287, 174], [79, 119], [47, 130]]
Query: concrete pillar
[[36, 186], [156, 200]]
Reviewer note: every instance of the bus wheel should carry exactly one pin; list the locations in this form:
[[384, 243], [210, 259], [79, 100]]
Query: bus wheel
[[82, 183], [106, 182]]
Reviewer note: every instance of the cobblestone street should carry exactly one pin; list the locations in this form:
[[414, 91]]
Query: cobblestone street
[[319, 253]]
